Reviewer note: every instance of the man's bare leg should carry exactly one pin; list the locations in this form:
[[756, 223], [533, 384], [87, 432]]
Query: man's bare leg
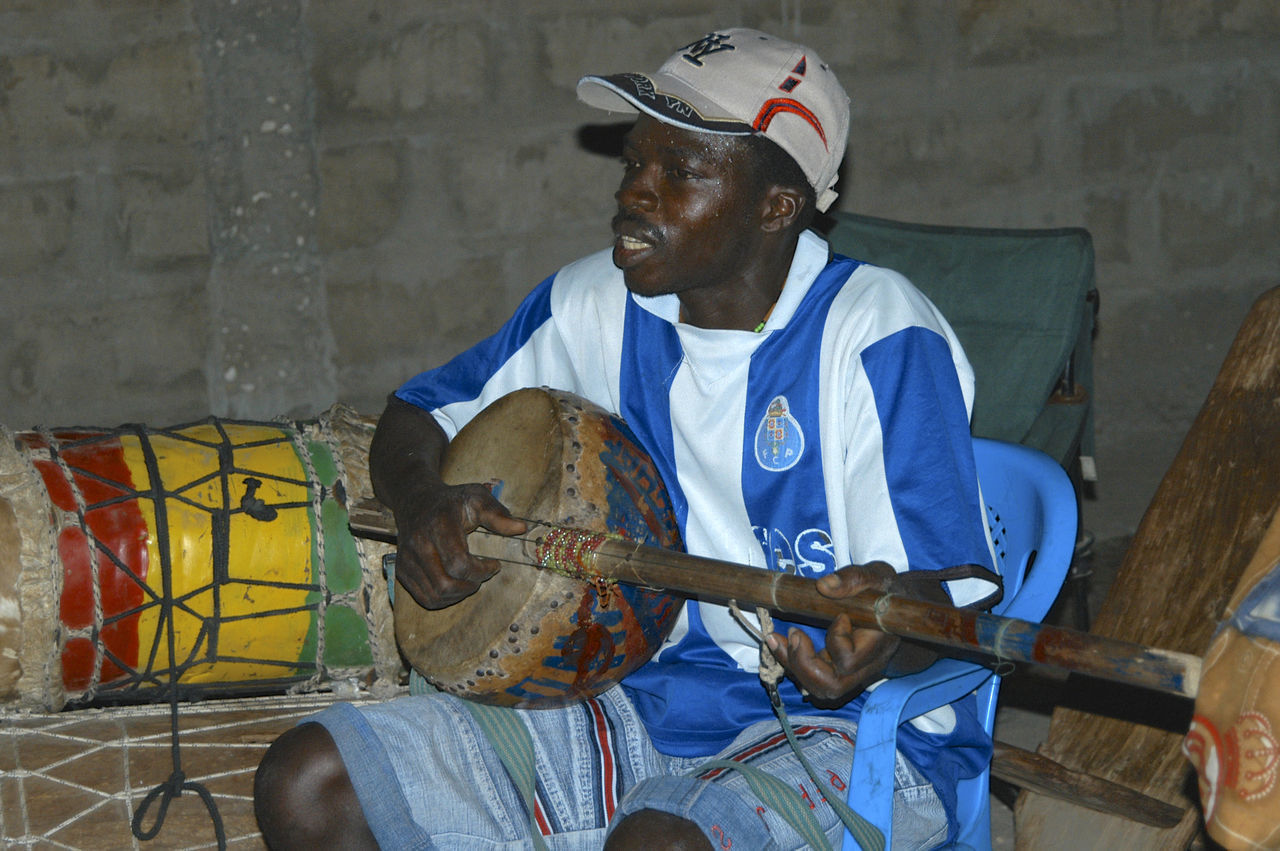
[[303, 797]]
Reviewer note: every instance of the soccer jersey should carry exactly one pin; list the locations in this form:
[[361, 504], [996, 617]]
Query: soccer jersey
[[838, 434]]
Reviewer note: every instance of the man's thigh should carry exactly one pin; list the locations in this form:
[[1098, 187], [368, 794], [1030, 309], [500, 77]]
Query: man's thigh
[[722, 803], [427, 776]]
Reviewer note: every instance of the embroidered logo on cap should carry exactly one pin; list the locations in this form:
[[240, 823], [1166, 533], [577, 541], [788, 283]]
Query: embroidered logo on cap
[[705, 46], [772, 107]]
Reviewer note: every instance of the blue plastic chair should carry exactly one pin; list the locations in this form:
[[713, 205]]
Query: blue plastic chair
[[1031, 510]]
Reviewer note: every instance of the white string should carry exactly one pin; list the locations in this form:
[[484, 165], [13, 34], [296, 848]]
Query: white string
[[303, 450], [771, 670]]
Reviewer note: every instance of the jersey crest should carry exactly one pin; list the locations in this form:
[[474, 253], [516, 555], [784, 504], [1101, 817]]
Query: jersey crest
[[779, 439]]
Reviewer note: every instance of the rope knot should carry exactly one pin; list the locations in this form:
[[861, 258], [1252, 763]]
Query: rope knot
[[174, 785]]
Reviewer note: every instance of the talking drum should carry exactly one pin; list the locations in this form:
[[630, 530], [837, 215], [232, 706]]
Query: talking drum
[[215, 555], [533, 638]]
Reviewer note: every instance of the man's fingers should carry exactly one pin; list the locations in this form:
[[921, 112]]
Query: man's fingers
[[435, 565], [472, 570], [457, 573], [850, 580], [840, 646], [849, 660], [482, 509], [506, 525], [834, 584], [813, 670]]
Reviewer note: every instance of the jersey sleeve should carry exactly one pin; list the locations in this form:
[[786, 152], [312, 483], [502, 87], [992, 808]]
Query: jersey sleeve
[[911, 482], [528, 351]]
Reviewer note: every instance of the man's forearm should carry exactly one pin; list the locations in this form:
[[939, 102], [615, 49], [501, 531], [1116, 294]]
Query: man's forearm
[[405, 454]]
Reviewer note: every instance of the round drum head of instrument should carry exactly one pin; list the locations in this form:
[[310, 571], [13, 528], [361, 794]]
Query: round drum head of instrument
[[516, 447], [530, 637]]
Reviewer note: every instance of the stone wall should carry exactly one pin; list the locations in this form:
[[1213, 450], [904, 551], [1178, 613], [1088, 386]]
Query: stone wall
[[258, 207]]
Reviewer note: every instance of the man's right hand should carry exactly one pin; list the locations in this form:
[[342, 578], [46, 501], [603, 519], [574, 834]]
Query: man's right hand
[[432, 561], [432, 518]]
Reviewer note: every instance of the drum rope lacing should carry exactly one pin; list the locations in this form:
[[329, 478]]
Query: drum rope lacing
[[131, 679], [177, 782]]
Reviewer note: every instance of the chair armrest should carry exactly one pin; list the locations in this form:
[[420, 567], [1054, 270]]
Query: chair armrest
[[887, 706]]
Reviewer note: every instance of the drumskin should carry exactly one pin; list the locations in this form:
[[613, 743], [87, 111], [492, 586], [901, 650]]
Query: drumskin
[[534, 638]]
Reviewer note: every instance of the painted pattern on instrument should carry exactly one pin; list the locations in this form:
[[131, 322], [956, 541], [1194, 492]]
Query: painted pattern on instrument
[[615, 622], [613, 627]]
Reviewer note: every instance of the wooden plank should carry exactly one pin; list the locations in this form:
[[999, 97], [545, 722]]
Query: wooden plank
[[1038, 773], [1189, 552]]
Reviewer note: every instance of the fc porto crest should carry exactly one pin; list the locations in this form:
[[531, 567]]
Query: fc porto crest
[[779, 439]]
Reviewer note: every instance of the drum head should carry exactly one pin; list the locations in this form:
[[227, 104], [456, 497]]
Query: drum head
[[10, 620], [529, 637], [517, 445]]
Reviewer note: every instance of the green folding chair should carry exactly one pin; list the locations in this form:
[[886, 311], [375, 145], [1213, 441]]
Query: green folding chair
[[1023, 303]]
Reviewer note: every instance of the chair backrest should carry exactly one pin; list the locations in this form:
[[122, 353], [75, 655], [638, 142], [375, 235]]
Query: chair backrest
[[1031, 510], [1021, 302]]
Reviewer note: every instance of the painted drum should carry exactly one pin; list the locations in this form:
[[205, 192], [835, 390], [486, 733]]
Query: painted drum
[[532, 638], [214, 553]]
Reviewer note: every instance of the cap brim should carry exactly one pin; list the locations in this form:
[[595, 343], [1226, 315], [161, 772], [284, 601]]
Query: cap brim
[[665, 98]]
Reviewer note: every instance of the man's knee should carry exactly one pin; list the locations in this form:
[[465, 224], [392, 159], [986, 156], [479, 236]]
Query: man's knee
[[302, 794], [646, 830]]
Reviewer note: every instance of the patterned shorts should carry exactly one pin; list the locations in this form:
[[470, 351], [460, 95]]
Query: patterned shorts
[[427, 778]]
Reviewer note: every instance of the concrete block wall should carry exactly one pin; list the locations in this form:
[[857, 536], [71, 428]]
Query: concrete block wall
[[257, 207]]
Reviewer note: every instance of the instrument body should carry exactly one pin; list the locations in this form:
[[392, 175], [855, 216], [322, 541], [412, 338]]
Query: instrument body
[[527, 438], [533, 638], [215, 553]]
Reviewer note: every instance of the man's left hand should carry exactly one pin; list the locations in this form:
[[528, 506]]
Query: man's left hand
[[852, 658]]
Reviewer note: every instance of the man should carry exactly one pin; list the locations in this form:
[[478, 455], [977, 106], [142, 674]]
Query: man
[[806, 412]]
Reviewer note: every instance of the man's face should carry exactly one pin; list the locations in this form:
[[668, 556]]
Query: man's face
[[688, 211]]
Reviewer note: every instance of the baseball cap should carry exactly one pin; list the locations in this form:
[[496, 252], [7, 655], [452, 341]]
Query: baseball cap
[[741, 82]]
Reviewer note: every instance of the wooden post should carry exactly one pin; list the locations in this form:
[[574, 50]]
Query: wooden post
[[1189, 552]]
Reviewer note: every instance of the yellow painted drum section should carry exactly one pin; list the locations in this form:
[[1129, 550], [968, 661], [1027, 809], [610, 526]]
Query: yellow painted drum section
[[260, 607]]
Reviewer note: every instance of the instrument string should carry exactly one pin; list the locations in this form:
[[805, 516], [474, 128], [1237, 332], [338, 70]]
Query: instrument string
[[569, 550]]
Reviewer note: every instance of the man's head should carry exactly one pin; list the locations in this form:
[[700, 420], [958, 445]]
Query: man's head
[[741, 82], [697, 218]]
